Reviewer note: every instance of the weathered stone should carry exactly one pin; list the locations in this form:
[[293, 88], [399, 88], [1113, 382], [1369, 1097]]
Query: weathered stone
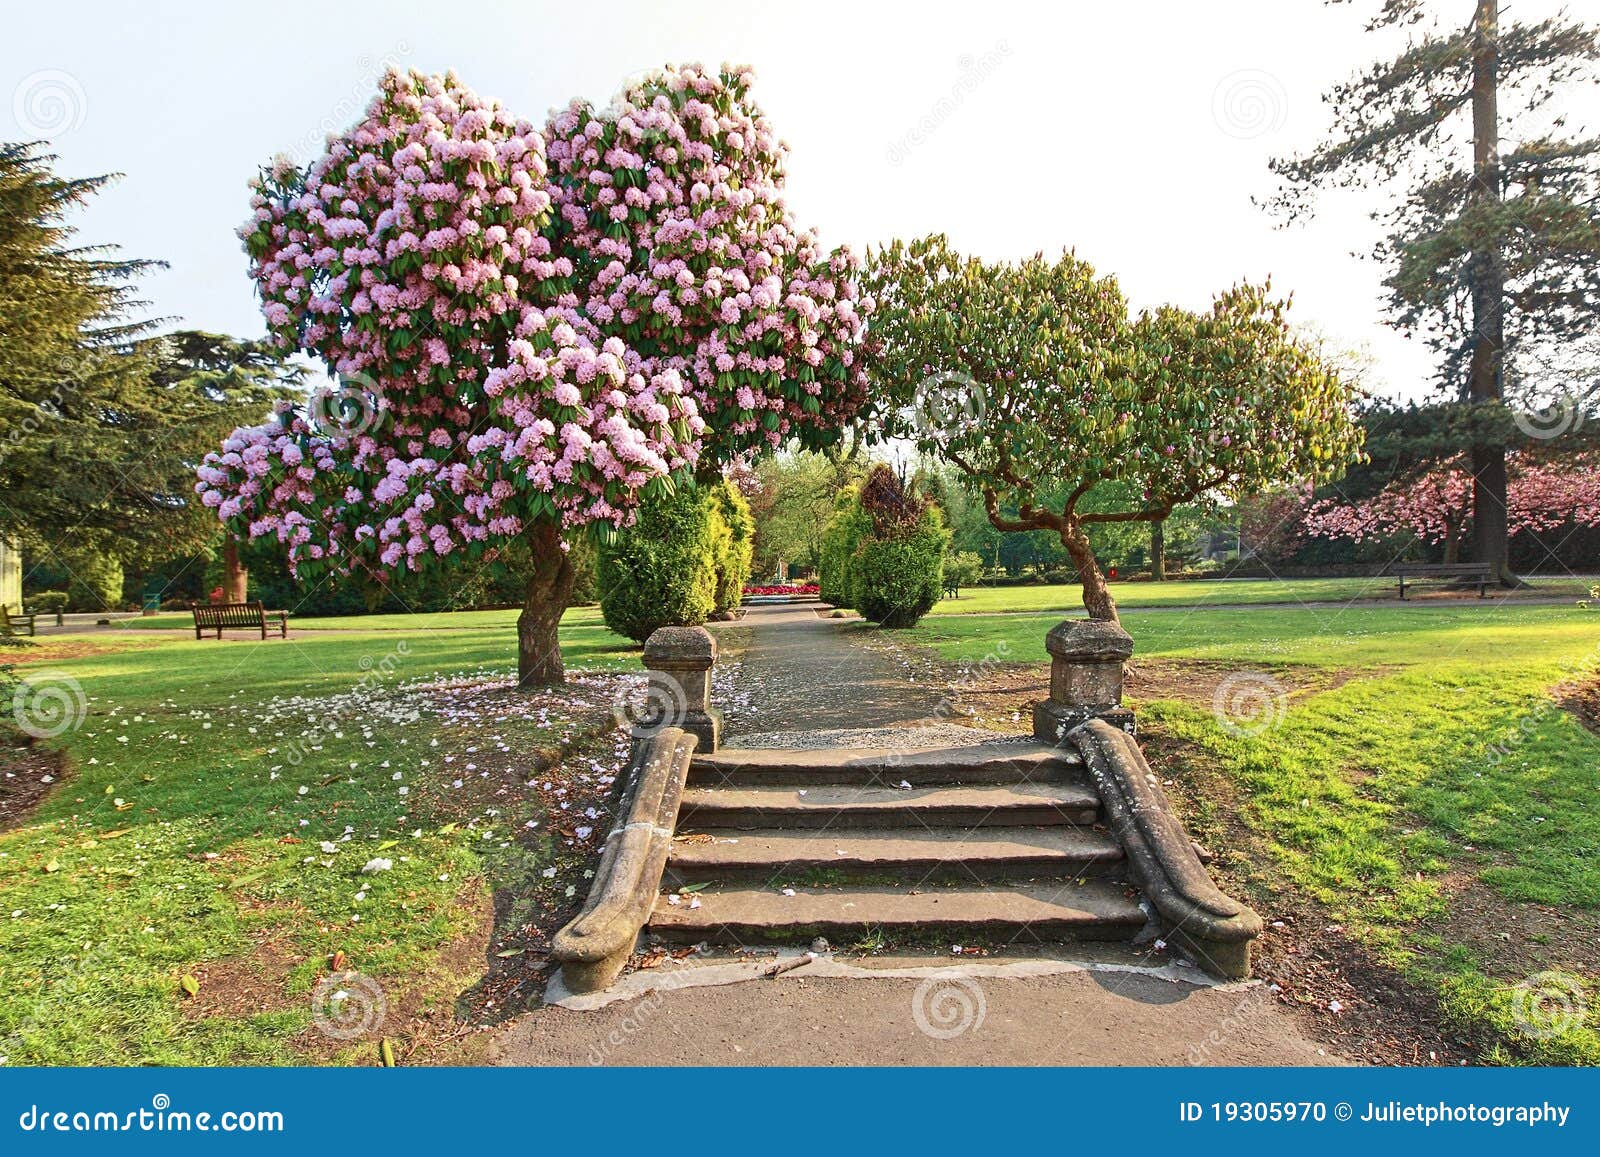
[[680, 661], [1086, 658]]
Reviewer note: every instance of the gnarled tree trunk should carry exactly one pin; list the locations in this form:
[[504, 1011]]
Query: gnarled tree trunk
[[539, 625], [1097, 598]]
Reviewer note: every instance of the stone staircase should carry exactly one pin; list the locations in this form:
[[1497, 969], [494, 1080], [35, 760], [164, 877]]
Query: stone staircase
[[999, 842], [996, 842]]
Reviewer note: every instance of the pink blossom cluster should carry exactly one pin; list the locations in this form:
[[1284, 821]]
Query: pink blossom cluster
[[669, 206], [1541, 495], [532, 340]]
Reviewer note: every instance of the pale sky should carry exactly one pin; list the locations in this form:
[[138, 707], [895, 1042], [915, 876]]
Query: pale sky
[[1135, 133]]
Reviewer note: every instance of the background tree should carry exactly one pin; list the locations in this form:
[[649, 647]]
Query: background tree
[[102, 423], [530, 347], [1062, 393], [1435, 505], [1493, 251]]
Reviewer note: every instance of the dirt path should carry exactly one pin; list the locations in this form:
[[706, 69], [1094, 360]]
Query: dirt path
[[798, 671]]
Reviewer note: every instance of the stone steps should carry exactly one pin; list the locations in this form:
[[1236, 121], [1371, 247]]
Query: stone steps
[[993, 763], [825, 805], [914, 856], [1039, 912]]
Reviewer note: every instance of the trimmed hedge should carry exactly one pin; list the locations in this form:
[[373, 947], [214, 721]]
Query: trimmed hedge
[[883, 552], [662, 570], [733, 531]]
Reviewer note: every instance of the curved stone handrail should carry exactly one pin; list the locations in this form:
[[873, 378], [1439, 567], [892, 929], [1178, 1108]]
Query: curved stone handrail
[[1193, 912], [595, 946]]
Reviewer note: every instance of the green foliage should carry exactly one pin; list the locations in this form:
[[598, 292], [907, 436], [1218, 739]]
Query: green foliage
[[1066, 413], [49, 602], [962, 569], [843, 533], [661, 571], [792, 500], [885, 551], [733, 534], [94, 578]]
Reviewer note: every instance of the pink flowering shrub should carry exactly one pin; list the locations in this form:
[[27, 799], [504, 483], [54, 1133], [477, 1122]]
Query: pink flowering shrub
[[530, 338], [1436, 506], [669, 208]]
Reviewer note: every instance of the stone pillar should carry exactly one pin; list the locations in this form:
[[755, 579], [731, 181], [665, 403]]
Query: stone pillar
[[1086, 658], [680, 660]]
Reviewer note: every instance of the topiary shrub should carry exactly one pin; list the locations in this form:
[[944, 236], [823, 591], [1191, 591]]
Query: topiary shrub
[[883, 551], [733, 533], [662, 570], [48, 602]]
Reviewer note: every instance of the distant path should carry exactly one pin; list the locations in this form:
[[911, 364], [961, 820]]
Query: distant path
[[805, 672]]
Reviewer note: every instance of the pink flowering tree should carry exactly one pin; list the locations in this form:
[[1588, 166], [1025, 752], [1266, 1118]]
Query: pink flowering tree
[[524, 349], [1435, 507]]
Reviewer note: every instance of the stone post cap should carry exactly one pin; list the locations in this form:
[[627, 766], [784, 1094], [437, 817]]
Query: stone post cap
[[680, 648], [1091, 639]]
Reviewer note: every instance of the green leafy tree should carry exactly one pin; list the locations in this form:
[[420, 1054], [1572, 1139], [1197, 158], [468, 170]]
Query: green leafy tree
[[1043, 390], [1493, 246], [962, 568], [101, 423]]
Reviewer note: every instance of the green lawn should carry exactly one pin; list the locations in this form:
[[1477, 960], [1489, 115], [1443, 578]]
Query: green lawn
[[210, 781], [1204, 592], [1442, 760]]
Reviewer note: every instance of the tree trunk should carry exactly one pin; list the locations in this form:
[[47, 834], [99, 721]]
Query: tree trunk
[[1158, 551], [235, 578], [1097, 598], [1452, 541], [539, 625], [1485, 377]]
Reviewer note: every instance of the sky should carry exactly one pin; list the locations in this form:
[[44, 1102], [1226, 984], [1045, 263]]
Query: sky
[[1135, 133]]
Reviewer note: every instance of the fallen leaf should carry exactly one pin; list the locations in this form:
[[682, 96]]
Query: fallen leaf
[[190, 985], [386, 1054]]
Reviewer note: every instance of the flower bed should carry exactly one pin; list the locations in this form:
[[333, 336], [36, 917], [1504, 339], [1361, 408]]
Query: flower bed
[[783, 589]]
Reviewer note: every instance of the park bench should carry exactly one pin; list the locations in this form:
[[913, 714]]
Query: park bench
[[251, 616], [1471, 572], [11, 624], [952, 591]]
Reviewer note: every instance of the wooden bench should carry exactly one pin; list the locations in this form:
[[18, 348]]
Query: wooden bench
[[1471, 572], [11, 624], [952, 591], [242, 616]]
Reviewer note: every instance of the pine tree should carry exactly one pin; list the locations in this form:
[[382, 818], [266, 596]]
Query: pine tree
[[101, 421], [1493, 248]]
